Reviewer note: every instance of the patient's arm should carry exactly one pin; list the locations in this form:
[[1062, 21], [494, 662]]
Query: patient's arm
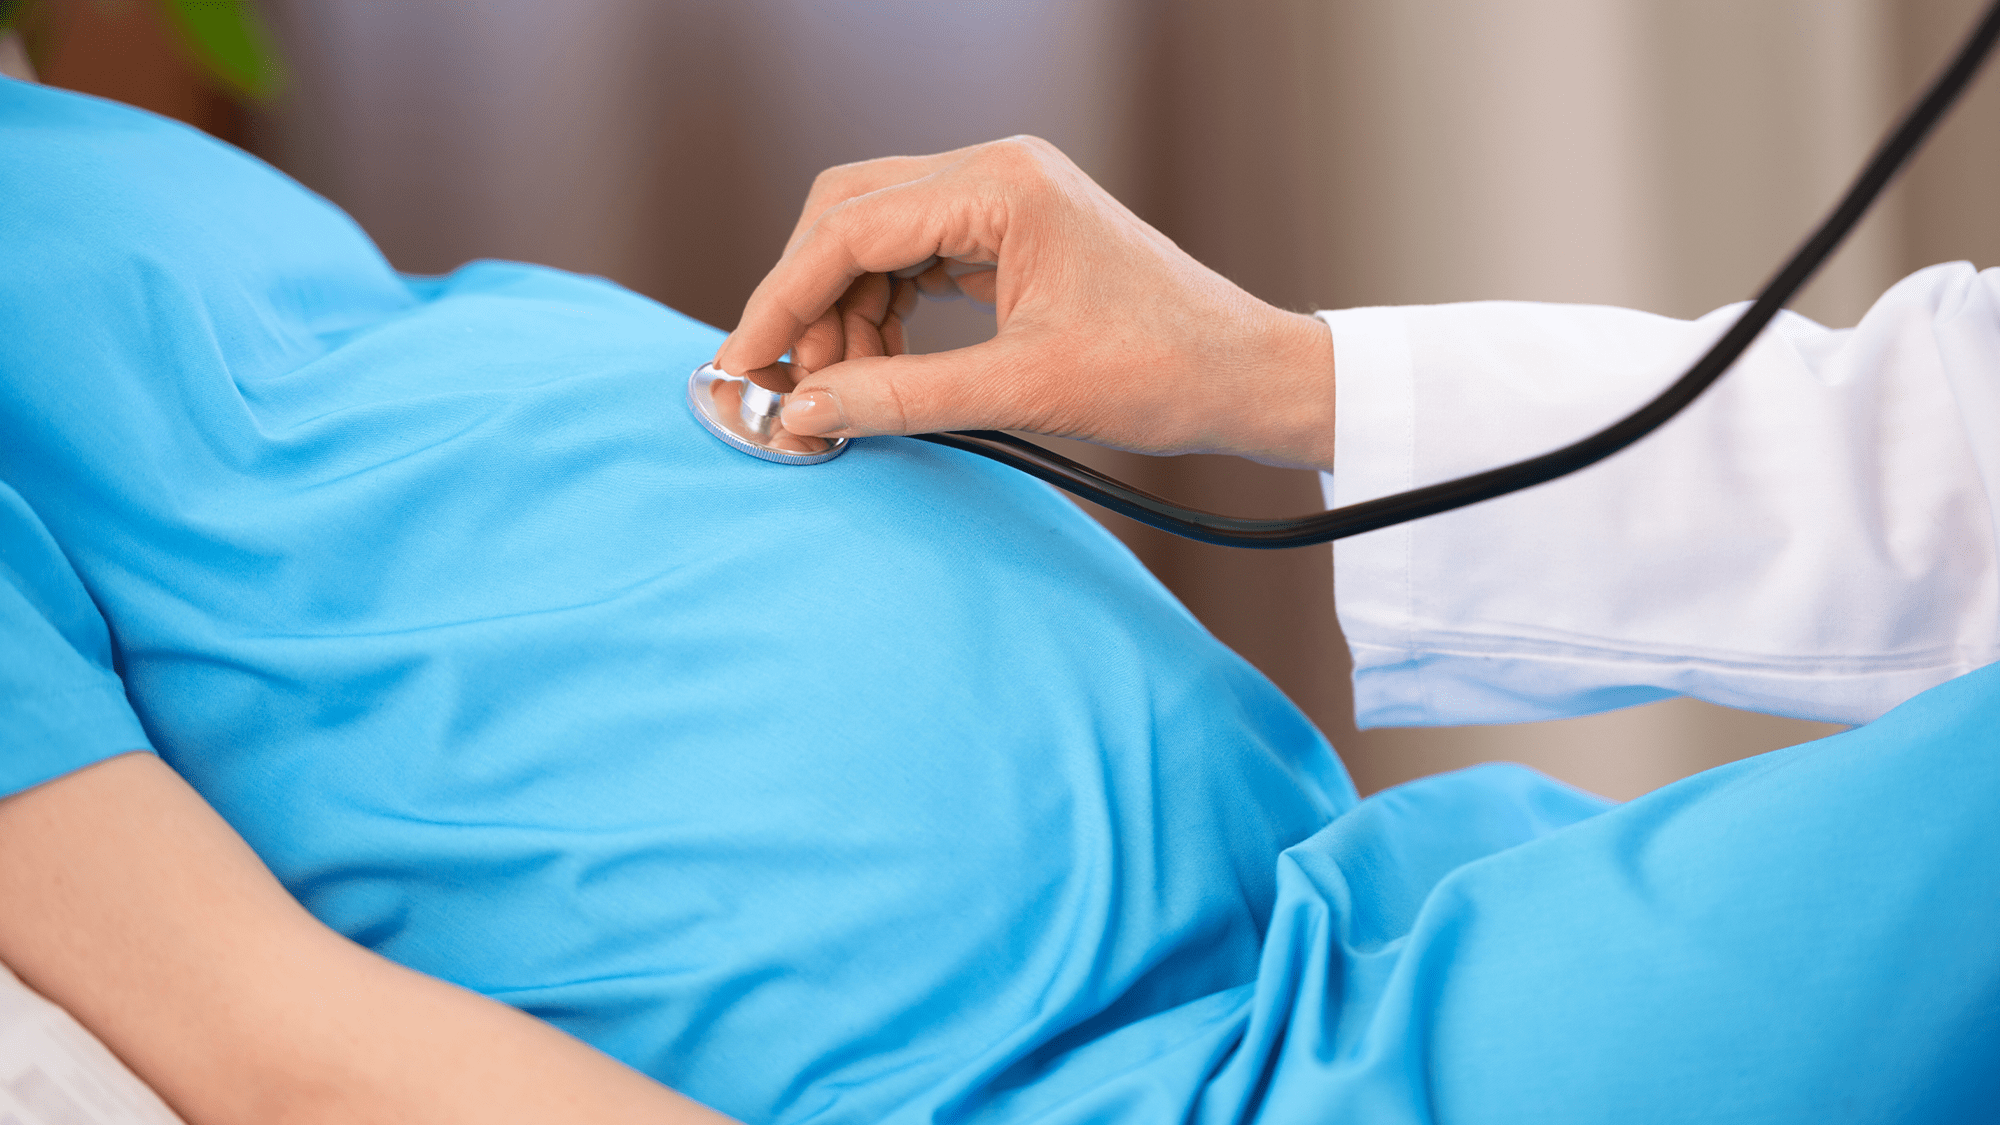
[[126, 899]]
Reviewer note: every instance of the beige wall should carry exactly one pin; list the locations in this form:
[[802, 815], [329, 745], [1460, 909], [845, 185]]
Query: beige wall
[[1656, 153]]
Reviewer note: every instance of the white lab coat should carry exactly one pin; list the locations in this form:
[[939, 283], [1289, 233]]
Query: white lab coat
[[1815, 536]]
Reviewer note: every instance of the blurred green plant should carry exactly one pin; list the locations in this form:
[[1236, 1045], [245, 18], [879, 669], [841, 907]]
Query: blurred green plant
[[11, 13], [226, 37]]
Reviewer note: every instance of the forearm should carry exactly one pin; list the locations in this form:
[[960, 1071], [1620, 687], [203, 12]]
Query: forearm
[[387, 1044], [125, 899]]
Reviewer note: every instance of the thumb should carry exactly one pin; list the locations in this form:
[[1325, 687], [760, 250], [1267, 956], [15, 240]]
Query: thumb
[[963, 389]]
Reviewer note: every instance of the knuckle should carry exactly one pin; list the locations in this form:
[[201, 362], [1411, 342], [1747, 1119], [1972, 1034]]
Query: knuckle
[[1030, 144], [837, 221], [895, 405], [1013, 156], [830, 180], [1017, 172], [845, 180], [861, 228]]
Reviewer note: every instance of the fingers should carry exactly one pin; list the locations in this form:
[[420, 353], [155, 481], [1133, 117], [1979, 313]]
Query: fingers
[[1082, 277], [980, 285], [880, 231], [822, 343], [893, 340], [843, 182], [905, 394], [904, 302], [866, 321], [862, 311]]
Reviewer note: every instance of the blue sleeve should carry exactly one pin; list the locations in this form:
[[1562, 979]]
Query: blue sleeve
[[61, 704]]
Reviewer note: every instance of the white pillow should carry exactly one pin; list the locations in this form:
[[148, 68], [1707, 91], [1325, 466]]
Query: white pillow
[[53, 1072]]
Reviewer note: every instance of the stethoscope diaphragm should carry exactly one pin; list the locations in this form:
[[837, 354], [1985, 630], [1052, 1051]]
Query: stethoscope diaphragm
[[744, 414]]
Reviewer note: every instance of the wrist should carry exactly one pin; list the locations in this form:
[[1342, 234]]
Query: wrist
[[1288, 407]]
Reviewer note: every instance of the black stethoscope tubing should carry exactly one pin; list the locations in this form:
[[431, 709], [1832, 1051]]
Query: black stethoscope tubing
[[1387, 511]]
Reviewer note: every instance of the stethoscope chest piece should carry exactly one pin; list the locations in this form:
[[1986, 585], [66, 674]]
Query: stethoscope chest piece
[[744, 415]]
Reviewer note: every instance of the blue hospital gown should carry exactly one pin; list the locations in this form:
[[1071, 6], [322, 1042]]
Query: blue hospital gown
[[886, 790]]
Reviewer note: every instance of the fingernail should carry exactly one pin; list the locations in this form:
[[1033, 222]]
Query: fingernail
[[815, 412]]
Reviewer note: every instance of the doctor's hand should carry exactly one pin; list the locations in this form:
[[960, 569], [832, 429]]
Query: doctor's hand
[[1107, 330]]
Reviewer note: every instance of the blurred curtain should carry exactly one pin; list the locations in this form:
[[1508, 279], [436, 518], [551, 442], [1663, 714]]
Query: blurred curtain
[[1661, 154]]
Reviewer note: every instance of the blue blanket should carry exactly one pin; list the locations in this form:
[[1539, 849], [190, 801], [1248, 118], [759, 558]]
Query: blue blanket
[[891, 789]]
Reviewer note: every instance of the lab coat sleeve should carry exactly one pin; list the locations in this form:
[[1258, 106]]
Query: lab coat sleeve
[[1814, 536]]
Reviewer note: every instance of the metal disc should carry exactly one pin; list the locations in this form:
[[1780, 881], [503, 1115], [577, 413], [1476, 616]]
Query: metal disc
[[745, 415]]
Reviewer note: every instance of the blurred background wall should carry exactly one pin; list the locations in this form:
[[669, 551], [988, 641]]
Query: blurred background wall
[[1661, 154]]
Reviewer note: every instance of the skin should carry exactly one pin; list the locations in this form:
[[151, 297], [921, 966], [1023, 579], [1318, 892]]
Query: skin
[[1107, 331], [128, 901]]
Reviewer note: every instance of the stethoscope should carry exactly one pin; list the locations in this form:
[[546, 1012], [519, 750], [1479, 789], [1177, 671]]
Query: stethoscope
[[745, 414]]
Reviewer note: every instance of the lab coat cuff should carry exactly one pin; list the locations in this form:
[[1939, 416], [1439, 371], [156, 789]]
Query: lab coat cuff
[[1375, 455]]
